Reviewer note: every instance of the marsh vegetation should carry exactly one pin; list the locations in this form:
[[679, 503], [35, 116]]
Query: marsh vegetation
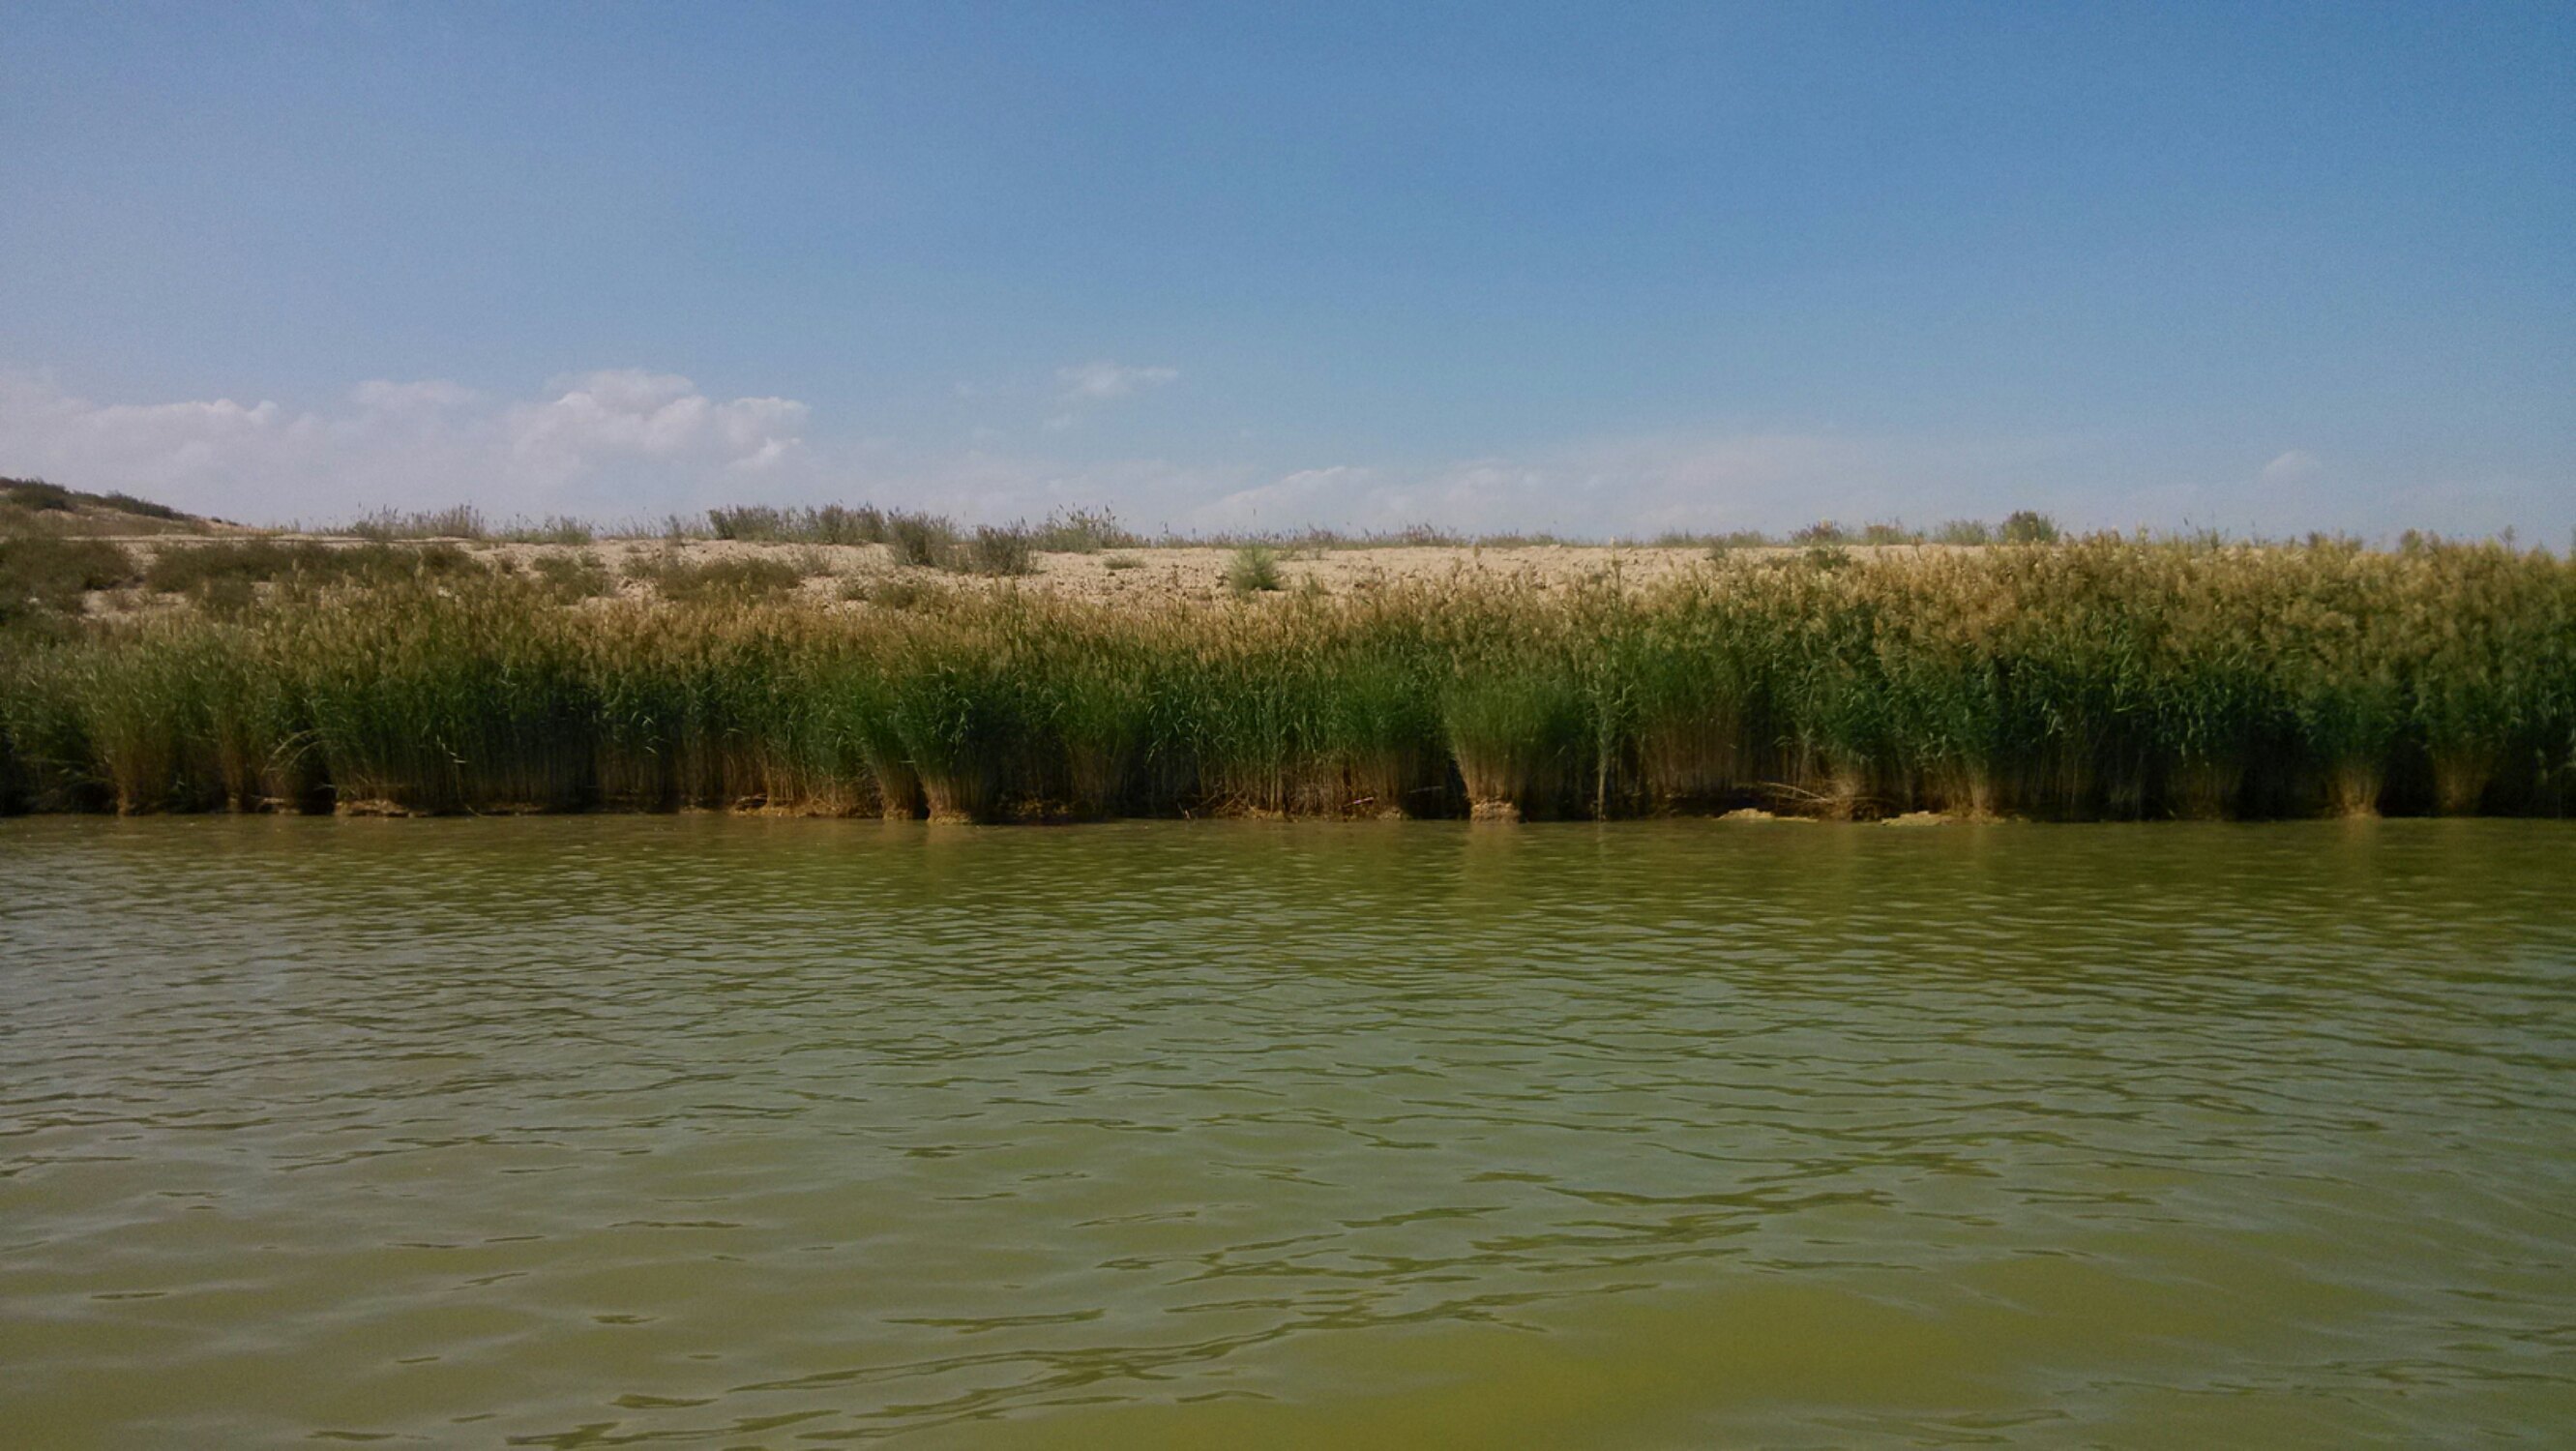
[[2105, 678]]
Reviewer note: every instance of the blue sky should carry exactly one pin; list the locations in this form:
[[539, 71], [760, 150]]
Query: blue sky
[[1601, 269]]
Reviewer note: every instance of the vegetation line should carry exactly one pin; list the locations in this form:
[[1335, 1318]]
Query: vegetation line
[[2103, 678]]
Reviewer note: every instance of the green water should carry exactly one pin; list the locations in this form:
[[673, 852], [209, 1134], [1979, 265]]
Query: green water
[[737, 1133]]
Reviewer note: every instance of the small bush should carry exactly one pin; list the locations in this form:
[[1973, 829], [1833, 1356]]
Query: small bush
[[37, 495], [1001, 551], [833, 524], [2026, 526], [48, 573], [177, 571], [1254, 570], [1718, 545], [555, 529], [128, 504], [226, 597], [191, 568], [430, 561], [830, 524], [1081, 531], [1118, 562], [1823, 531], [463, 521], [686, 581], [749, 522], [920, 540], [898, 592], [570, 577]]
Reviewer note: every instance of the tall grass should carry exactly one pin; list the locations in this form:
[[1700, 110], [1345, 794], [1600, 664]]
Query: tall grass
[[196, 568], [461, 521], [830, 524], [923, 539], [2104, 678], [752, 578]]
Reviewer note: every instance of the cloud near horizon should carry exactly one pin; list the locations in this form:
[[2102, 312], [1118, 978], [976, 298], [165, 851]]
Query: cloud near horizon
[[603, 442], [626, 444], [1102, 379]]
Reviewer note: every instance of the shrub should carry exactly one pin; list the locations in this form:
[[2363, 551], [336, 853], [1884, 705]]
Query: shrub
[[746, 523], [177, 570], [920, 540], [569, 577], [38, 496], [128, 504], [44, 572], [829, 524], [833, 524], [303, 563], [1081, 531], [462, 521], [1253, 570], [683, 580], [555, 529], [1000, 551], [898, 592], [1721, 545], [2025, 526]]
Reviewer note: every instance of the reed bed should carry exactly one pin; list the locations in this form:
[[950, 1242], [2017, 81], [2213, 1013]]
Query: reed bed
[[2100, 679]]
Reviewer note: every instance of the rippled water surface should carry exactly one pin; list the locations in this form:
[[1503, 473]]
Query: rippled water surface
[[742, 1133]]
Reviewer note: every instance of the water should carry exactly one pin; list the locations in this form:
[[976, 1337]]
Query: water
[[743, 1133]]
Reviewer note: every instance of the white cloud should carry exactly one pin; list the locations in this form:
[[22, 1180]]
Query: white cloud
[[626, 444], [412, 399], [614, 442], [1642, 486], [597, 419], [1628, 487], [2293, 466], [1102, 380]]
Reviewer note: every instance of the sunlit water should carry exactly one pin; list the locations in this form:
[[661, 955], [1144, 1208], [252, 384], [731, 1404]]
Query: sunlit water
[[746, 1133]]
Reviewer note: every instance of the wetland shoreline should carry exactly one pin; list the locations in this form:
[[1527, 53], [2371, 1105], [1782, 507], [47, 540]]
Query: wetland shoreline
[[2104, 679]]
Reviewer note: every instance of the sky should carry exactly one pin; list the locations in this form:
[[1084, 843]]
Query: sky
[[1602, 270]]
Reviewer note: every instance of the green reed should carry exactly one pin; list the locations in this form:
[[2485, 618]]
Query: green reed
[[2104, 678]]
